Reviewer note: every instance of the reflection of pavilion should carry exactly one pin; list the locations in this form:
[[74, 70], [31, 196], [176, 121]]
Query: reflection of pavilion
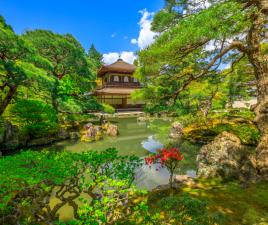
[[117, 84]]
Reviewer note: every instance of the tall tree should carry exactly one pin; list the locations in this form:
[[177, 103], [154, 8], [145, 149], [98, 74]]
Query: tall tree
[[18, 64], [199, 39], [70, 66], [95, 57]]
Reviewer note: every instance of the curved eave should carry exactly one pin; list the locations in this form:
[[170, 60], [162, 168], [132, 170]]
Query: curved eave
[[104, 71], [115, 91]]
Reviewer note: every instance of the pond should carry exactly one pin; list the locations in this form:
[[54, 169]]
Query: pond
[[138, 138], [141, 139]]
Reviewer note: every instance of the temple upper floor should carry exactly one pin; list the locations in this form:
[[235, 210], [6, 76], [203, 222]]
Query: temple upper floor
[[118, 74], [119, 80]]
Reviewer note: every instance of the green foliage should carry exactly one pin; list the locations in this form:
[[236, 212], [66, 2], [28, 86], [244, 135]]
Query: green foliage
[[185, 210], [119, 205], [95, 57], [36, 117], [70, 65], [108, 108], [183, 73], [240, 84], [248, 134], [34, 177], [44, 75], [175, 70], [200, 132], [18, 65], [239, 205], [221, 19], [163, 20]]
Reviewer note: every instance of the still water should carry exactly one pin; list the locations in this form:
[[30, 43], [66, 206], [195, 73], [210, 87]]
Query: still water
[[138, 138], [141, 139]]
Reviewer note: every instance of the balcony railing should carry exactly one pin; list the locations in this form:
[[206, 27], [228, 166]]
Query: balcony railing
[[121, 85]]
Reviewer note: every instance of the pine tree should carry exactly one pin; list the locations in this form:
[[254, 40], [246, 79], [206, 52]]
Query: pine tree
[[95, 56]]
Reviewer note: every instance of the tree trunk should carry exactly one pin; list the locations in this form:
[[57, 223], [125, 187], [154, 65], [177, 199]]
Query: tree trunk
[[261, 120], [171, 183], [12, 90], [54, 98], [171, 180], [260, 64]]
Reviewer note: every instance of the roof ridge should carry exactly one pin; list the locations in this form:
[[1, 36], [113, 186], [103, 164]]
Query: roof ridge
[[119, 65], [120, 61]]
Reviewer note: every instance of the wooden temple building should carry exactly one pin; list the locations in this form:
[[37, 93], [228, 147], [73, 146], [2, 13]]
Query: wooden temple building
[[116, 85]]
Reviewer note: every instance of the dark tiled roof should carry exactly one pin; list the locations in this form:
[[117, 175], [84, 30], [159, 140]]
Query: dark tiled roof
[[119, 66]]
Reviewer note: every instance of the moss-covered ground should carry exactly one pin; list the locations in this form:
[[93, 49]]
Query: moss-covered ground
[[235, 204]]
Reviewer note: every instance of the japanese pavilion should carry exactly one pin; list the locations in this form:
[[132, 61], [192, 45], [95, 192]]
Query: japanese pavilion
[[116, 85]]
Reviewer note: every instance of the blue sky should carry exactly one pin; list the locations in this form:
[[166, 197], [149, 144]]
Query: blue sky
[[110, 25]]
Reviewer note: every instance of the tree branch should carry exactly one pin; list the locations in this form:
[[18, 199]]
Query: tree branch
[[234, 45]]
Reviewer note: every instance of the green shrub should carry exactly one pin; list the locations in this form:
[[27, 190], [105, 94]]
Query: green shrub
[[204, 133], [248, 133], [34, 117], [186, 210], [29, 179], [108, 108]]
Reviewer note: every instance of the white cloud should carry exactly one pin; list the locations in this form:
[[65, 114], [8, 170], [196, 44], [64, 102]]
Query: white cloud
[[128, 57], [146, 36], [134, 41], [111, 57]]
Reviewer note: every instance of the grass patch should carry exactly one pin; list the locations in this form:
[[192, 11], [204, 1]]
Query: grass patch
[[235, 204]]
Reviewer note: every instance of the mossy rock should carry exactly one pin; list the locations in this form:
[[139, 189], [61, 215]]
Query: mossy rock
[[205, 133]]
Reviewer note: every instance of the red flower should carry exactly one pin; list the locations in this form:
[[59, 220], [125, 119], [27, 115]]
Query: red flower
[[168, 158], [164, 156]]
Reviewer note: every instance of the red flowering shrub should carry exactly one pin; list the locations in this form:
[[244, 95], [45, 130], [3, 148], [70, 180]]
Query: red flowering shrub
[[168, 158]]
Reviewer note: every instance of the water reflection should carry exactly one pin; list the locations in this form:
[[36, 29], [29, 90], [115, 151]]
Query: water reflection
[[139, 139], [135, 138], [150, 177], [191, 173], [151, 144]]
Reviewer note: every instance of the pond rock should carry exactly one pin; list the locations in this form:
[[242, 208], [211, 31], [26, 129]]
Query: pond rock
[[176, 131], [165, 187], [11, 137], [63, 134], [111, 129], [143, 119], [91, 132], [182, 178], [74, 135], [227, 158]]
